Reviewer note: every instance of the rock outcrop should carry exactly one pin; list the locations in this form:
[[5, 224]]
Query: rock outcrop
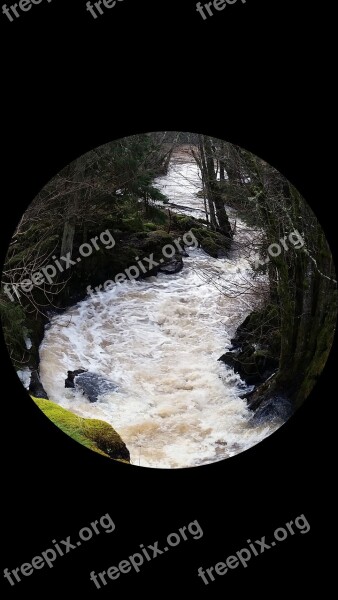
[[172, 267], [91, 384], [92, 433], [35, 387]]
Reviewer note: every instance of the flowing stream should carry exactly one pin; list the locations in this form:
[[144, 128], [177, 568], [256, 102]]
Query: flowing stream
[[159, 340]]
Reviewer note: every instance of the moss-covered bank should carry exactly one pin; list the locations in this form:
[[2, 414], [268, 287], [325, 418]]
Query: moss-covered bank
[[92, 433]]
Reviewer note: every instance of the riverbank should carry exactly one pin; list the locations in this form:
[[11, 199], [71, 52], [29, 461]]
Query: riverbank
[[159, 339], [192, 353]]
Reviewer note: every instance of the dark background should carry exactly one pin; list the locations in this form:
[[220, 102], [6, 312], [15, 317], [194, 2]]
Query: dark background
[[257, 75]]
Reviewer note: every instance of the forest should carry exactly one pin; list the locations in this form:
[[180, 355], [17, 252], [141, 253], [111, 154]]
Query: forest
[[241, 209]]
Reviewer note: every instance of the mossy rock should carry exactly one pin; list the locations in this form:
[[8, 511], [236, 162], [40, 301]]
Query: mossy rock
[[150, 226], [161, 236], [103, 265], [157, 215], [137, 236], [92, 433], [131, 223], [213, 243], [252, 366], [184, 223], [198, 233], [155, 242], [260, 327], [210, 248]]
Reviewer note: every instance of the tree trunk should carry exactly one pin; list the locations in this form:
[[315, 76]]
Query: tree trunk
[[214, 191], [222, 170], [206, 188], [67, 239], [73, 208]]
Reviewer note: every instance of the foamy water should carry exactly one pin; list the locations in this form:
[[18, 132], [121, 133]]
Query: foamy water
[[159, 340], [181, 185]]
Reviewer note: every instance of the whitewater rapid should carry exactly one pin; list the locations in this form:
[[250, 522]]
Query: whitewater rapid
[[159, 340]]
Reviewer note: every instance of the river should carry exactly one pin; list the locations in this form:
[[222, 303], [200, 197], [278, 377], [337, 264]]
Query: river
[[159, 340]]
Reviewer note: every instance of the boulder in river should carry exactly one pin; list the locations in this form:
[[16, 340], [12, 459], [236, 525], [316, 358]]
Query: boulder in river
[[276, 408], [253, 366], [69, 382], [173, 266], [35, 387], [91, 384]]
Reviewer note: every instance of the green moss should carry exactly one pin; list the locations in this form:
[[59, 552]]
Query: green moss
[[155, 242], [157, 215], [183, 223], [131, 223], [212, 242], [210, 248], [150, 226], [92, 433]]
